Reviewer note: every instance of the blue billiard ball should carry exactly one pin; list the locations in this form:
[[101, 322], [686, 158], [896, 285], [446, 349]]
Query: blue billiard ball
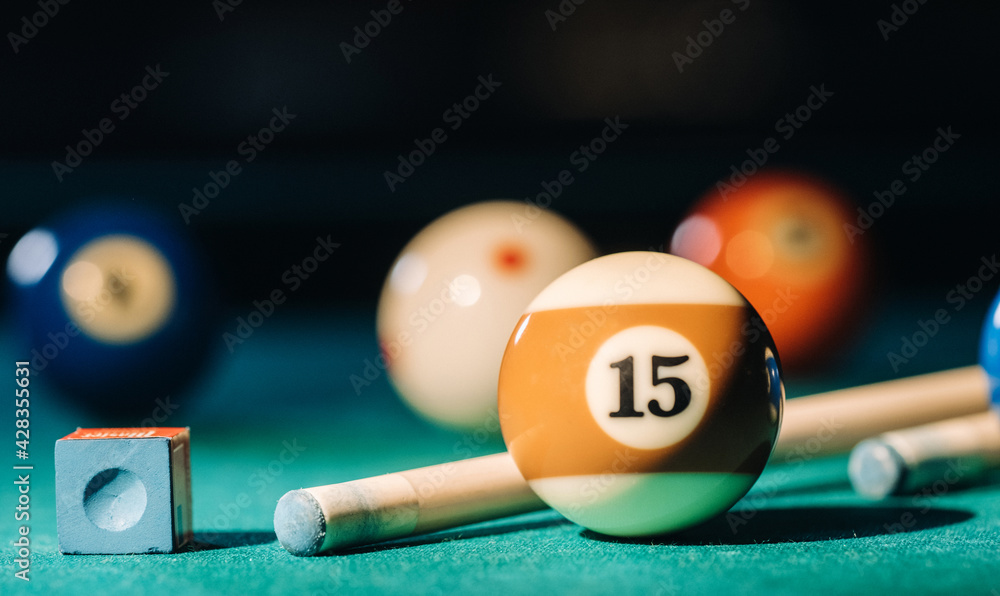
[[114, 304], [989, 349]]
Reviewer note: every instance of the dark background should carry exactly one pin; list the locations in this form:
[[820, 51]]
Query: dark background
[[324, 174]]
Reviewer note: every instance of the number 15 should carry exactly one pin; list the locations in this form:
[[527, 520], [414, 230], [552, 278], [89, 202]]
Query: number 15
[[626, 380]]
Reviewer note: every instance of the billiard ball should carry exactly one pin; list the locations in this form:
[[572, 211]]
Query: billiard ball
[[989, 350], [453, 296], [639, 394], [785, 241], [114, 306]]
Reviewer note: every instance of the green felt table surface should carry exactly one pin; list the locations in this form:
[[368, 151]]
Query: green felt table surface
[[280, 413]]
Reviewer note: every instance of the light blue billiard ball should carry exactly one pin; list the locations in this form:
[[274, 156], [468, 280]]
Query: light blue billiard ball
[[989, 349]]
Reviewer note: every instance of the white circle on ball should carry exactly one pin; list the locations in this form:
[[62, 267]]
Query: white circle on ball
[[118, 289], [464, 290], [408, 274], [641, 407]]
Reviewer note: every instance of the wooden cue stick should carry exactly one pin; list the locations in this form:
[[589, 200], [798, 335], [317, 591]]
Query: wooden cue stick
[[834, 422], [313, 520], [338, 516], [903, 461]]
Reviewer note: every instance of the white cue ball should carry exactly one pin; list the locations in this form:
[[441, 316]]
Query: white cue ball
[[453, 297]]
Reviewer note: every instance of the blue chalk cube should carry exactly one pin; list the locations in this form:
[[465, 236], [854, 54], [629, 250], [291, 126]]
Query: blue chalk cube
[[123, 490]]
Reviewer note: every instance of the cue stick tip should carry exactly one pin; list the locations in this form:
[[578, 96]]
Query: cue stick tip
[[299, 523], [876, 469]]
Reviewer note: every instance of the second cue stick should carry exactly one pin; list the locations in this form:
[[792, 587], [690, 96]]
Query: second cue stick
[[949, 451], [836, 421], [338, 516]]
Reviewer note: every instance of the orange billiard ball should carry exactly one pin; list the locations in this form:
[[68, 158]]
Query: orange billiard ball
[[784, 240], [640, 394]]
